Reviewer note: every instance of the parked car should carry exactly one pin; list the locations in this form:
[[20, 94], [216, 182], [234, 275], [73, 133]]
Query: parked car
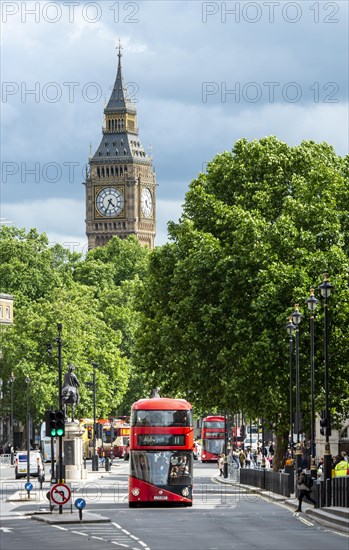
[[36, 467]]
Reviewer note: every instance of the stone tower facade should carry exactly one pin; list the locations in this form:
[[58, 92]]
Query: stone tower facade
[[120, 184]]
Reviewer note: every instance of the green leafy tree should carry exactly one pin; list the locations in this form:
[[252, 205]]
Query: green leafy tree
[[258, 230]]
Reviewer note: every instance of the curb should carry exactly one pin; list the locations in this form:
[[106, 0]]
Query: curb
[[55, 519]]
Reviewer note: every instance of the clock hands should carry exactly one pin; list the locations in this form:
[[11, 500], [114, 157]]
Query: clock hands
[[110, 203]]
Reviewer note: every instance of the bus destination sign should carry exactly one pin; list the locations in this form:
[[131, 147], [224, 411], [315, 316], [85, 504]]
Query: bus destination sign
[[160, 440]]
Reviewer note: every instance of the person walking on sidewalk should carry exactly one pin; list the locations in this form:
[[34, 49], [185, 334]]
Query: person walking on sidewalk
[[220, 464], [304, 484]]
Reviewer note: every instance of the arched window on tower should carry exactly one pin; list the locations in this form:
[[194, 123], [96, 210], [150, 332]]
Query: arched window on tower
[[107, 170], [116, 152], [116, 171], [112, 170], [125, 152], [98, 172], [103, 172], [120, 170], [107, 152], [125, 168]]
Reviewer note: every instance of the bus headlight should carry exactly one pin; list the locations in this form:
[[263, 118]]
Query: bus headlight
[[185, 491], [135, 491]]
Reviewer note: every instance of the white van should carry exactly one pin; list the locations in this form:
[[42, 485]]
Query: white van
[[36, 465], [252, 441]]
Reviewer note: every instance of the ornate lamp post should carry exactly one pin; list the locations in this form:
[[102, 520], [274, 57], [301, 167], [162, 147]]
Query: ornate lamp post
[[296, 319], [290, 327], [94, 457], [312, 303], [326, 289], [12, 380], [27, 381]]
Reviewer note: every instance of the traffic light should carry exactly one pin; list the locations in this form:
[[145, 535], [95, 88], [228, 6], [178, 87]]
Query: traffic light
[[99, 430], [47, 423], [59, 423], [325, 424], [52, 424]]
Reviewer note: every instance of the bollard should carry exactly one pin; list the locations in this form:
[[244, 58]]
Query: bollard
[[107, 464], [41, 479]]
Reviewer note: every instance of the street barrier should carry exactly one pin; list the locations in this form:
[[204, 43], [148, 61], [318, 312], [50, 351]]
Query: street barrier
[[275, 482], [5, 460]]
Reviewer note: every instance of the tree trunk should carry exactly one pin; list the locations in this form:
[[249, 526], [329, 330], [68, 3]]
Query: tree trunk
[[280, 451]]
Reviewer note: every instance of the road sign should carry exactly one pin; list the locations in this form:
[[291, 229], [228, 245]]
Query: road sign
[[80, 503], [60, 493], [28, 486]]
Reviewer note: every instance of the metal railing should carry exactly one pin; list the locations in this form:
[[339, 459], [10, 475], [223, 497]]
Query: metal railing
[[339, 491], [274, 482]]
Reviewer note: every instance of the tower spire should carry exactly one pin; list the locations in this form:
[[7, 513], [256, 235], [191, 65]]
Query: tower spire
[[119, 100], [119, 47]]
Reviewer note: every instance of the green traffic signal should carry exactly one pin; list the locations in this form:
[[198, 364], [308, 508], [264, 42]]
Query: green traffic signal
[[59, 423], [52, 424]]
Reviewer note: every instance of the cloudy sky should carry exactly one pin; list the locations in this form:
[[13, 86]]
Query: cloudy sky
[[203, 75]]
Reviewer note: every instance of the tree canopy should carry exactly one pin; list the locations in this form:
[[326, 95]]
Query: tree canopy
[[258, 230], [93, 299]]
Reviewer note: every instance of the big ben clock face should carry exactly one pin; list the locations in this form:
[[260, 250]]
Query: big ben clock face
[[147, 203], [110, 202]]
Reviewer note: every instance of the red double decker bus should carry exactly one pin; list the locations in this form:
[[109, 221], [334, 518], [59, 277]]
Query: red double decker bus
[[212, 438], [161, 452]]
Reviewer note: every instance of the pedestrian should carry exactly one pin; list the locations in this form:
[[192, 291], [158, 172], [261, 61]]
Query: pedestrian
[[236, 458], [341, 468], [242, 458], [345, 456], [304, 484], [220, 464]]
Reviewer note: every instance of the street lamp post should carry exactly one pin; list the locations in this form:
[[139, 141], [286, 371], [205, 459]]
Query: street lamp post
[[94, 457], [12, 380], [225, 465], [290, 327], [296, 319], [27, 381], [326, 289], [312, 303]]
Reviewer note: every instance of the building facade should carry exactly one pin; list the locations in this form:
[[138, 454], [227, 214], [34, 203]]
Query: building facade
[[121, 183], [6, 309]]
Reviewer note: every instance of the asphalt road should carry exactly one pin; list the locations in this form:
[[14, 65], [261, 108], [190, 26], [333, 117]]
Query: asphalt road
[[222, 518]]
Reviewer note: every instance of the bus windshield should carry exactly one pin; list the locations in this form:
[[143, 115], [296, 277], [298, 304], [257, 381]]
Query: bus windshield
[[214, 424], [214, 446], [161, 418], [162, 467]]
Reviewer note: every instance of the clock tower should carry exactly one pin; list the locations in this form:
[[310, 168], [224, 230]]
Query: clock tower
[[120, 184]]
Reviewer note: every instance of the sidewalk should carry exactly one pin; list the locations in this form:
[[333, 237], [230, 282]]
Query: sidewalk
[[333, 517]]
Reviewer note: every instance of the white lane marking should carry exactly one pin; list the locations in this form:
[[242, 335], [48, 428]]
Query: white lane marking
[[59, 527], [6, 529], [120, 544], [306, 522], [126, 532], [9, 518], [79, 533], [98, 538]]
